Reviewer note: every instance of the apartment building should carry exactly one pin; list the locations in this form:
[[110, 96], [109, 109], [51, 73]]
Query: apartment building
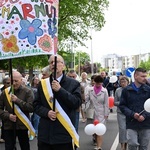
[[115, 62]]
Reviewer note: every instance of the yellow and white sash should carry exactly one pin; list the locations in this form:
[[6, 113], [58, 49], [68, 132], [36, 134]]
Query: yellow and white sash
[[61, 114], [20, 114]]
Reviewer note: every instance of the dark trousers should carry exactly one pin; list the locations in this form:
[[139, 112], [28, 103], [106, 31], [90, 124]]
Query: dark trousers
[[45, 146], [10, 139]]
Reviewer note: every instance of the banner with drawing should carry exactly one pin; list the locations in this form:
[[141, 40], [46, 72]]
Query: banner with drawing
[[28, 27]]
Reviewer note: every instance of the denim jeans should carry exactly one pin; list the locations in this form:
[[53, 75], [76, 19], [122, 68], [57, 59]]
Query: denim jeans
[[138, 139], [77, 121], [35, 121]]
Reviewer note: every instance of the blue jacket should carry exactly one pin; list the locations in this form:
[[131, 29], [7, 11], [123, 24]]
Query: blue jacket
[[131, 102]]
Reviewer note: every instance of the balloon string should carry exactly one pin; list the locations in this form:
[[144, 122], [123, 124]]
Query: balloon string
[[139, 114], [102, 121], [107, 85]]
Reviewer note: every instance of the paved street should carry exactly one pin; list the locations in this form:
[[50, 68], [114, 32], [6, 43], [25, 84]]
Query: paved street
[[110, 138], [85, 140]]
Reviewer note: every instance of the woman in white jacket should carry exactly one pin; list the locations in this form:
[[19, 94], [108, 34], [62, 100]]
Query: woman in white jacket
[[98, 98]]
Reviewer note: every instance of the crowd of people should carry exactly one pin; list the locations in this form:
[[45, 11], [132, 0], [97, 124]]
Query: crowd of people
[[49, 108]]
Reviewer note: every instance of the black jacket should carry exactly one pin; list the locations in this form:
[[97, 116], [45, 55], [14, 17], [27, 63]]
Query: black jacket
[[108, 85], [69, 97]]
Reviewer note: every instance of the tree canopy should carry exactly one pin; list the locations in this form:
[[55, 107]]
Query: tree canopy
[[77, 17], [145, 64]]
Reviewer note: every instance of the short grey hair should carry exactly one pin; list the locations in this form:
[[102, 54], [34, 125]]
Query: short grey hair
[[83, 73], [46, 70]]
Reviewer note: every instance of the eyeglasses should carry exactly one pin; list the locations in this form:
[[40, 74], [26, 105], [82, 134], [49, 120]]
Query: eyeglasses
[[53, 62]]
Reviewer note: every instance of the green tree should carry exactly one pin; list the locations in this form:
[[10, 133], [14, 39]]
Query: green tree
[[4, 64], [30, 63], [77, 58], [81, 58], [145, 64], [76, 17]]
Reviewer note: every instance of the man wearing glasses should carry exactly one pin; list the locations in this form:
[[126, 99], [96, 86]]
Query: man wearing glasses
[[56, 128]]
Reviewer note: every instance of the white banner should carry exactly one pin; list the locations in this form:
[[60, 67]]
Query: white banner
[[28, 27]]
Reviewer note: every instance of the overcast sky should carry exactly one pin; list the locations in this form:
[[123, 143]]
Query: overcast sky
[[126, 32]]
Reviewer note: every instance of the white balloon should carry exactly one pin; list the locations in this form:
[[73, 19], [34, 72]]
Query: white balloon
[[89, 129], [100, 129], [147, 105], [113, 79]]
